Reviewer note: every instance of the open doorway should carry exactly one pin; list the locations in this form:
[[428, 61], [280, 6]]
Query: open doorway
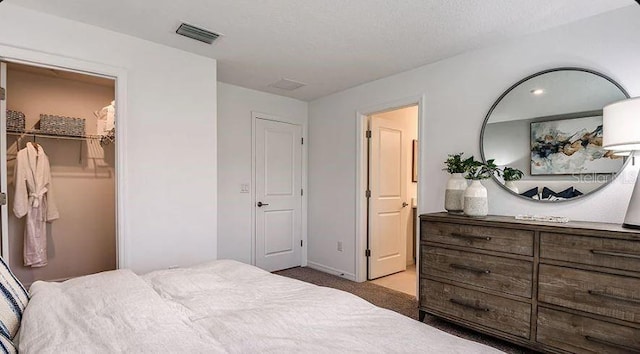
[[392, 190]]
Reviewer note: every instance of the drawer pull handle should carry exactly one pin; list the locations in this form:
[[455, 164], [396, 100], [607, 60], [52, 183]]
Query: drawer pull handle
[[471, 237], [615, 297], [616, 254], [471, 269], [612, 344], [469, 305]]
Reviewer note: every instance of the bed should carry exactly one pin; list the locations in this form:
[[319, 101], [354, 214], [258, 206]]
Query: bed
[[217, 307]]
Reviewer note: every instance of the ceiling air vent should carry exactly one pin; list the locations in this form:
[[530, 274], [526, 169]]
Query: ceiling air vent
[[196, 33], [286, 84]]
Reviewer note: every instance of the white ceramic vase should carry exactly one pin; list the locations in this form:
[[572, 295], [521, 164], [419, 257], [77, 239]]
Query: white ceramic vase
[[454, 194], [475, 200], [512, 186]]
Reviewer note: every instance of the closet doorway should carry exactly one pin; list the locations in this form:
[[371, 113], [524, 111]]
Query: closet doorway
[[69, 117]]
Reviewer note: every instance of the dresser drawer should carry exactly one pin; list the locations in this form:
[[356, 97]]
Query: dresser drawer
[[502, 274], [580, 334], [491, 311], [480, 237], [605, 252], [604, 294]]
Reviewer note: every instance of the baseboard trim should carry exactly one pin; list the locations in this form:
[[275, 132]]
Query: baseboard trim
[[331, 270]]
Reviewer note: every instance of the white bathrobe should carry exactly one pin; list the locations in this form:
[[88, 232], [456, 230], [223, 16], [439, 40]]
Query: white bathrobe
[[34, 199], [106, 119]]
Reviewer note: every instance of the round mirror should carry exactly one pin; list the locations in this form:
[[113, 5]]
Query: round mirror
[[549, 127]]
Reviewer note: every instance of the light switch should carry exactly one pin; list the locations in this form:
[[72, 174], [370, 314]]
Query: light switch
[[244, 188]]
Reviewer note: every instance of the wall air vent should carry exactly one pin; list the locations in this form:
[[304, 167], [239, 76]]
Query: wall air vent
[[286, 84], [196, 33]]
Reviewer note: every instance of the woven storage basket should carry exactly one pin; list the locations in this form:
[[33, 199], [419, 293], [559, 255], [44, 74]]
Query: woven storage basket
[[57, 125], [15, 120]]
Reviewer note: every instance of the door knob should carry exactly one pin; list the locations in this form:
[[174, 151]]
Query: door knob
[[404, 204], [260, 204]]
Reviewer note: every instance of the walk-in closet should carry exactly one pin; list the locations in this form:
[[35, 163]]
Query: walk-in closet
[[60, 220]]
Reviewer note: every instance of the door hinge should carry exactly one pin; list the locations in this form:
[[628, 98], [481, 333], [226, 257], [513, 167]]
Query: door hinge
[[367, 194], [300, 243], [368, 134], [302, 192], [3, 94], [3, 198], [367, 253], [302, 141]]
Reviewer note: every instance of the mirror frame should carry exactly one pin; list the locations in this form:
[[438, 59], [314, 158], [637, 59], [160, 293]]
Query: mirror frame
[[507, 91]]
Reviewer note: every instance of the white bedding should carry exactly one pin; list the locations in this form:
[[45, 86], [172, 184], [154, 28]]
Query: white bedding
[[222, 306], [110, 312], [249, 310]]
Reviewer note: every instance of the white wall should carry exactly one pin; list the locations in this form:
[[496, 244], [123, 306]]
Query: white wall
[[170, 123], [459, 92], [235, 105]]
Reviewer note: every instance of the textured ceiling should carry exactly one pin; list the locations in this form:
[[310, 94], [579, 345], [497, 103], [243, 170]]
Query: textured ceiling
[[330, 45]]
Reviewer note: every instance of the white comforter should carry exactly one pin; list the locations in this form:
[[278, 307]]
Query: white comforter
[[218, 306], [110, 312], [249, 310]]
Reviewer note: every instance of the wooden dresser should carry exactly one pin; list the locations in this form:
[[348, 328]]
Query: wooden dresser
[[572, 287]]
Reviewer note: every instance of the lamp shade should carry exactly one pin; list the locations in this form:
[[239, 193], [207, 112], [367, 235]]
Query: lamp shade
[[622, 153], [621, 125]]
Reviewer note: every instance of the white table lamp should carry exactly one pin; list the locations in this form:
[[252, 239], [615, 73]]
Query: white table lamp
[[621, 125]]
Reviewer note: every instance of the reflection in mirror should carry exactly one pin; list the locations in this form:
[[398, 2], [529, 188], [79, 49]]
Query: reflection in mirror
[[549, 126]]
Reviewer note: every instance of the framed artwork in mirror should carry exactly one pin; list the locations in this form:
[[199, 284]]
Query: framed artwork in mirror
[[571, 146], [414, 165]]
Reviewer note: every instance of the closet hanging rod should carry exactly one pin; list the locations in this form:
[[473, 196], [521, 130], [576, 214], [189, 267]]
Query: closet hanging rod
[[38, 134], [34, 134]]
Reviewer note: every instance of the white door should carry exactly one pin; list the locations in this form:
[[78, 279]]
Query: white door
[[388, 205], [4, 214], [278, 192]]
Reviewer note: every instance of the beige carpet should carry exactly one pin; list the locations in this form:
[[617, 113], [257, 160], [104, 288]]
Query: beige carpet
[[395, 301]]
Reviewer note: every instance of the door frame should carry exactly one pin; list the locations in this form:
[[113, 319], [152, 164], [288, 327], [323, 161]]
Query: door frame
[[46, 60], [4, 212], [257, 115], [361, 227]]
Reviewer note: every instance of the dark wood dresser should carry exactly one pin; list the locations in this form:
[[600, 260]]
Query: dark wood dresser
[[555, 287]]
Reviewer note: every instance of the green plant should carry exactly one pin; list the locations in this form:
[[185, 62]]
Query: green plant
[[511, 174], [477, 170], [455, 164]]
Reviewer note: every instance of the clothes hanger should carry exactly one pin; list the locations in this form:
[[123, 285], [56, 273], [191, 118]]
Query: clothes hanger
[[35, 145]]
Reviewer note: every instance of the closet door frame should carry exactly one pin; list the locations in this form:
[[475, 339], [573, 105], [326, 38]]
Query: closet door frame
[[4, 209], [34, 58]]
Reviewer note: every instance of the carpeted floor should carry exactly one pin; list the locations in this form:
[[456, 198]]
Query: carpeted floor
[[395, 301]]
